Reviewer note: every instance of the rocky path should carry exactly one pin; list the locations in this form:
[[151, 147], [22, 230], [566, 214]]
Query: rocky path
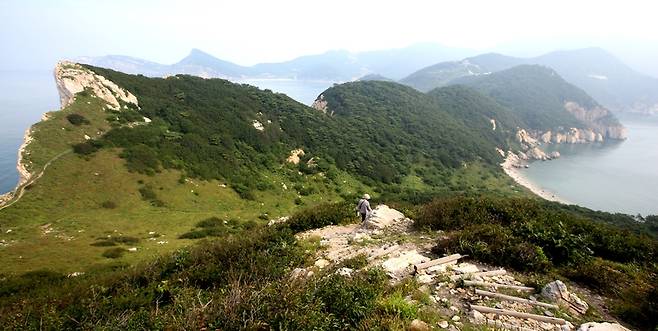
[[462, 292]]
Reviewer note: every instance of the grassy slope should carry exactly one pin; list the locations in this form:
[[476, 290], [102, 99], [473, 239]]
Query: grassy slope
[[70, 194]]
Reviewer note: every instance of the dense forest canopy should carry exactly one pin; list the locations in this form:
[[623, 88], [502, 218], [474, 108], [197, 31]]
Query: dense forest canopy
[[375, 130]]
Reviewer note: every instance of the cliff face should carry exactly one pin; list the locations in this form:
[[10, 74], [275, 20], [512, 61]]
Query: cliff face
[[72, 78], [599, 120]]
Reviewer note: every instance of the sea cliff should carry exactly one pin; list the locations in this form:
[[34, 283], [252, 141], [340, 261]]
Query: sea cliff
[[70, 78]]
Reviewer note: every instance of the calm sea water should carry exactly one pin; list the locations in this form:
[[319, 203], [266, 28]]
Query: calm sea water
[[620, 177], [614, 177], [24, 96], [303, 91]]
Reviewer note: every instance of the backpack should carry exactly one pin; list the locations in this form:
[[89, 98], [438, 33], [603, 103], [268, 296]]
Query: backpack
[[358, 207]]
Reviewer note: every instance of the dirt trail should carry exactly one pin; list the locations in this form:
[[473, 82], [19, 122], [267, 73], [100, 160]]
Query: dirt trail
[[461, 292], [20, 190]]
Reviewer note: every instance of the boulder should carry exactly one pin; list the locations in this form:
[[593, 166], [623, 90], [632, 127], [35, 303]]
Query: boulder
[[557, 292], [383, 217], [418, 325], [346, 272], [477, 317], [593, 326], [321, 263], [397, 265], [465, 268]]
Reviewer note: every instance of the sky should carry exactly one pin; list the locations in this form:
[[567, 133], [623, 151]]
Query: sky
[[34, 34]]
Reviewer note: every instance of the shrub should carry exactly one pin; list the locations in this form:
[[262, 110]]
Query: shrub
[[243, 191], [77, 119], [114, 253], [210, 222], [321, 215], [397, 305], [16, 285], [142, 159], [104, 243], [87, 148], [109, 204], [351, 300]]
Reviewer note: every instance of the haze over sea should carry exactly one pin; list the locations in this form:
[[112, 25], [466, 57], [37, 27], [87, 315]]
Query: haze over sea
[[615, 177], [24, 97]]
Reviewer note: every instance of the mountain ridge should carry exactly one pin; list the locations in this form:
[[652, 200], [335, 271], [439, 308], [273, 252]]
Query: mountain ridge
[[599, 73], [335, 65]]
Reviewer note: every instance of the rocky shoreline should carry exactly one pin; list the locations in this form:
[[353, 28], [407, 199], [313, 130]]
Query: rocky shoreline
[[70, 79], [24, 175]]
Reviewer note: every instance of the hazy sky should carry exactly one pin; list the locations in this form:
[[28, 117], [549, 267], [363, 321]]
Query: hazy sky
[[35, 33]]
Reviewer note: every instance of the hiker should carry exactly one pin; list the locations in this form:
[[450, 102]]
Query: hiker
[[363, 207]]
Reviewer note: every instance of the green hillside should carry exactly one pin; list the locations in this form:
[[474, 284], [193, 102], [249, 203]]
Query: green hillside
[[201, 156], [157, 213], [536, 95]]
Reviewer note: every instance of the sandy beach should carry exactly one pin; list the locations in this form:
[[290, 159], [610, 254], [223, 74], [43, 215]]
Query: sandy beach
[[517, 175]]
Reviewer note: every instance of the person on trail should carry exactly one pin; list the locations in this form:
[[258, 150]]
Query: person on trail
[[363, 207]]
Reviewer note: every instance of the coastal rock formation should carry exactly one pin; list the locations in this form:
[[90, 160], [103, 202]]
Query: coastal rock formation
[[320, 104], [72, 78], [525, 137], [598, 119]]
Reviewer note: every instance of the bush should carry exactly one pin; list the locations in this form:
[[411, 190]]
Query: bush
[[351, 300], [534, 236], [322, 215], [114, 253], [109, 204], [210, 222], [142, 159], [77, 119], [87, 148]]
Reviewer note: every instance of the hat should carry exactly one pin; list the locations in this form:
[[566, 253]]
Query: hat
[[366, 196]]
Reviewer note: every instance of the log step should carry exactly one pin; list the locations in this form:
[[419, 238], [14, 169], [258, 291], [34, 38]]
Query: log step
[[443, 260], [513, 298], [496, 285], [541, 318], [480, 274]]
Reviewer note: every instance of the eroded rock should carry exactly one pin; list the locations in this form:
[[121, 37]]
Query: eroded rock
[[557, 291], [383, 217], [605, 326]]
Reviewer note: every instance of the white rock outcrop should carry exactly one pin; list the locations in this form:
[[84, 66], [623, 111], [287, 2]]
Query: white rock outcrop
[[72, 78], [557, 291], [399, 265], [320, 104], [605, 326], [383, 217], [295, 156]]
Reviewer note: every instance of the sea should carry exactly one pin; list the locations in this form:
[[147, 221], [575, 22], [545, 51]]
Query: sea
[[613, 177], [24, 97]]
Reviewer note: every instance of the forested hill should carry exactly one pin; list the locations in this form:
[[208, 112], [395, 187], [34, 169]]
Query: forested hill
[[379, 131], [537, 95]]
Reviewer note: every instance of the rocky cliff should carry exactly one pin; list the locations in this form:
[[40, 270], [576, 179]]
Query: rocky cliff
[[72, 78]]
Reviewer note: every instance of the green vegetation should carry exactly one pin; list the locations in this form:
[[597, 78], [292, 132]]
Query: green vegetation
[[236, 282], [77, 119], [535, 236], [536, 95], [128, 204]]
